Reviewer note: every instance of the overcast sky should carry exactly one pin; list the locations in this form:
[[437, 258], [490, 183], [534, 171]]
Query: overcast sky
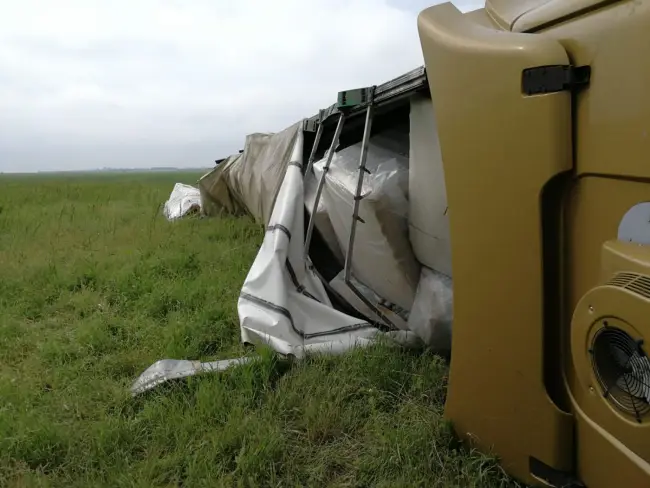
[[138, 83]]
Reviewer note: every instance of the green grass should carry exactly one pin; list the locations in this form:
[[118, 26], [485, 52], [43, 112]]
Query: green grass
[[96, 285]]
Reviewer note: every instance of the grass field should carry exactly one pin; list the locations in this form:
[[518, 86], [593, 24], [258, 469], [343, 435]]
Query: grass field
[[96, 285]]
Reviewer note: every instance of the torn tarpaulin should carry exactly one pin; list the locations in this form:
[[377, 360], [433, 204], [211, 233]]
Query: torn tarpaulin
[[172, 369], [283, 303], [183, 200]]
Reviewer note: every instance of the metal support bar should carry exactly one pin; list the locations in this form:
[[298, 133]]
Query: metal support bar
[[357, 195], [314, 148], [355, 214], [321, 182]]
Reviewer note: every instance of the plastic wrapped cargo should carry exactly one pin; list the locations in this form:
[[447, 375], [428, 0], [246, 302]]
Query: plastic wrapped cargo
[[383, 258], [428, 216], [322, 220], [432, 314], [395, 314]]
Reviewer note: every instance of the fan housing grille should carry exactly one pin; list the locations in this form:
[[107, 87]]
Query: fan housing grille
[[622, 369]]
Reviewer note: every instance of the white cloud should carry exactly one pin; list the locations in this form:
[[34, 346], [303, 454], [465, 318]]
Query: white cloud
[[89, 83]]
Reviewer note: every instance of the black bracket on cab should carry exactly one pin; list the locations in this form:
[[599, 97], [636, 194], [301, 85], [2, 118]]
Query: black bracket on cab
[[554, 78]]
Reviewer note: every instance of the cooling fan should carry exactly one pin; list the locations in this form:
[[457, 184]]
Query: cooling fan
[[610, 359], [622, 370]]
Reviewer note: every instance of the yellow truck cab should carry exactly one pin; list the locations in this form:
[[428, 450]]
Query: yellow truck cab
[[543, 117]]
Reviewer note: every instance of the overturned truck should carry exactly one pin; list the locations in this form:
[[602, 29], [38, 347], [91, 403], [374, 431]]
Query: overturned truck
[[357, 235], [540, 111]]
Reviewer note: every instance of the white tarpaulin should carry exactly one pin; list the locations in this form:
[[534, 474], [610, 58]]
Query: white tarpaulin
[[284, 302], [183, 200]]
